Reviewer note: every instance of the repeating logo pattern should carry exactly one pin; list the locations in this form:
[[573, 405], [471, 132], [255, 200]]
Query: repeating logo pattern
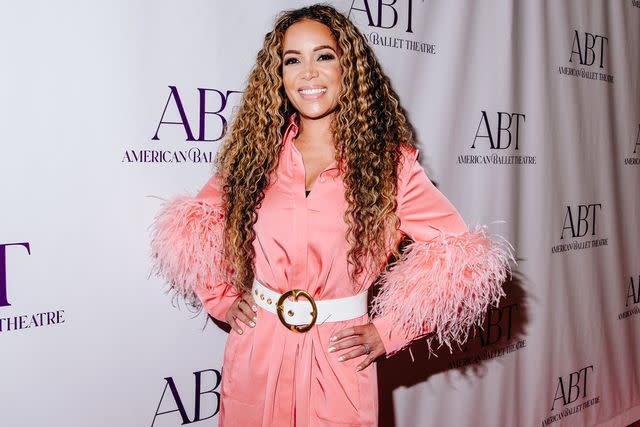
[[588, 57], [206, 401], [580, 224], [13, 323], [569, 389], [214, 112], [497, 141], [393, 22]]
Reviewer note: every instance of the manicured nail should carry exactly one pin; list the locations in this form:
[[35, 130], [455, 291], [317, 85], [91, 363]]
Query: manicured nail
[[240, 331], [255, 318], [358, 368], [333, 338], [341, 358], [330, 349], [254, 308], [252, 324]]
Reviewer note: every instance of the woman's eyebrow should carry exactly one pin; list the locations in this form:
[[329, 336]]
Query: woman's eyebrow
[[297, 52]]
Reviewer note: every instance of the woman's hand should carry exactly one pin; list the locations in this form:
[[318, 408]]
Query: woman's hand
[[360, 339], [243, 309]]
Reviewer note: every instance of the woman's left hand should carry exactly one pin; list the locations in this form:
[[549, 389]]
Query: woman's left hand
[[359, 338]]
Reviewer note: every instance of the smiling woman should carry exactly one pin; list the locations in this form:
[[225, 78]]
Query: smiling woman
[[291, 273]]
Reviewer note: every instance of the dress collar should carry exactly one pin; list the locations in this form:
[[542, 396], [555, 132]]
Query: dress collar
[[293, 126], [292, 117]]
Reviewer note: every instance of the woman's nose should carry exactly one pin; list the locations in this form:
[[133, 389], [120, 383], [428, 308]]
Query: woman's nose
[[310, 70]]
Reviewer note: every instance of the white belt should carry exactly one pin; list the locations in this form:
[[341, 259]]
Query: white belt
[[293, 314]]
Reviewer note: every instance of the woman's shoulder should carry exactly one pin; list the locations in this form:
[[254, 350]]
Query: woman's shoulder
[[408, 156], [212, 189], [409, 150]]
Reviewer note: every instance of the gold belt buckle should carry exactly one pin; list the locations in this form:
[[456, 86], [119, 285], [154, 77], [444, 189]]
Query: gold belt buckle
[[295, 293]]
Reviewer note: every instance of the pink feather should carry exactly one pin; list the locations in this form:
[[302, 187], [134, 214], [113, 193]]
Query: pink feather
[[444, 285], [187, 246]]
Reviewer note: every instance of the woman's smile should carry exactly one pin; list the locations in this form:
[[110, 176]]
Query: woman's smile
[[312, 92]]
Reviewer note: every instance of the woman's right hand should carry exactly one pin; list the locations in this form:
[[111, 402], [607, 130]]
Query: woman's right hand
[[243, 309]]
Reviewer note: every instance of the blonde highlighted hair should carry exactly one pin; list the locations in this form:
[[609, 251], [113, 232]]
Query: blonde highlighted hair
[[369, 128]]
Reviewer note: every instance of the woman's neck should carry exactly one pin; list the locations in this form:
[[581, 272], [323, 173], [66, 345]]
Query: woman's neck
[[316, 132]]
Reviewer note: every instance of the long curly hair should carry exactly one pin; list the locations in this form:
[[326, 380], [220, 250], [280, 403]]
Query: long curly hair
[[369, 128]]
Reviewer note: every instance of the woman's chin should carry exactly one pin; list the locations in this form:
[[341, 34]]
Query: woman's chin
[[315, 113]]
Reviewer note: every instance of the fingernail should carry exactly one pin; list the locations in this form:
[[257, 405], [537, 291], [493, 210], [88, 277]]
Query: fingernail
[[358, 368], [254, 308], [252, 324], [255, 318], [330, 349], [341, 358], [333, 338], [240, 331]]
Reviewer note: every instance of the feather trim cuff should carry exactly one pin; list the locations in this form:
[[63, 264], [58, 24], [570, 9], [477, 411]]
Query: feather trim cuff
[[444, 286], [187, 246]]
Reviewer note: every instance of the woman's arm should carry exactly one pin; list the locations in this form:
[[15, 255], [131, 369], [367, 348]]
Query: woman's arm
[[446, 278], [187, 248]]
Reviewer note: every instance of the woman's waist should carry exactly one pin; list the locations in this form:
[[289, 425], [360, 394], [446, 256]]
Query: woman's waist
[[298, 310]]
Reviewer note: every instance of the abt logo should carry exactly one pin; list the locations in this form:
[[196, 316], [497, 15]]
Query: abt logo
[[591, 49], [197, 392], [633, 292], [505, 131], [580, 225], [390, 13], [4, 301], [174, 99], [569, 388], [498, 325]]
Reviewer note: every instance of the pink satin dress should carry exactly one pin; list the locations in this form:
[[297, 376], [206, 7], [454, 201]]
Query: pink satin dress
[[273, 376]]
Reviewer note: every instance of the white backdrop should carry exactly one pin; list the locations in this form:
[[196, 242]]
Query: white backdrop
[[526, 112]]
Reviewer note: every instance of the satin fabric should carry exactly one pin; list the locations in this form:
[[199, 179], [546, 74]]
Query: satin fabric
[[273, 376]]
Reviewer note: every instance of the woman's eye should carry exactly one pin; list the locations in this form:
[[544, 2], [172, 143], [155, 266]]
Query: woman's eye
[[323, 57], [326, 56]]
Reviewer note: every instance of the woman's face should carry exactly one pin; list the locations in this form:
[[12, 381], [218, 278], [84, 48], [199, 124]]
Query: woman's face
[[311, 68]]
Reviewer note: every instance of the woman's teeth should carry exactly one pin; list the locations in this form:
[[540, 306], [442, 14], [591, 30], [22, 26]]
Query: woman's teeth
[[313, 91]]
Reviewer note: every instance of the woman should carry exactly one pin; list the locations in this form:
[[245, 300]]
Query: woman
[[317, 183]]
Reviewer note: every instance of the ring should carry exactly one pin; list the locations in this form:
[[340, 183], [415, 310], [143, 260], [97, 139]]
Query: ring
[[367, 350]]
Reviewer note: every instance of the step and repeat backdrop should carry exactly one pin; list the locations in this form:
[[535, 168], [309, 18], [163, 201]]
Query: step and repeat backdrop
[[528, 118]]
